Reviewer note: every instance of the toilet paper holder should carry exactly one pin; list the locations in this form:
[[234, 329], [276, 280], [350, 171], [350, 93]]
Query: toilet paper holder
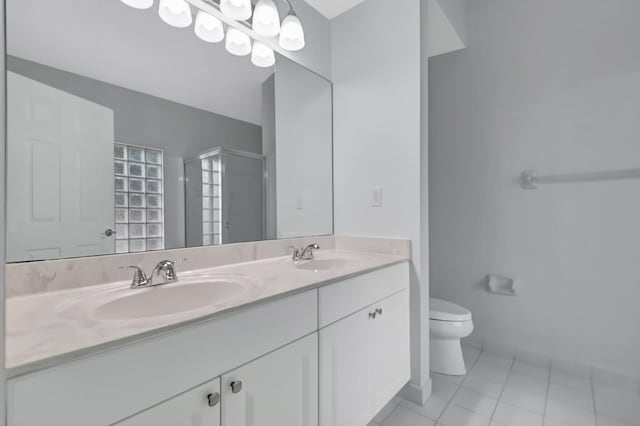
[[501, 284]]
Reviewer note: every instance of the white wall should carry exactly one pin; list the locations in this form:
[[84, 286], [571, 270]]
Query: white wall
[[377, 139], [303, 152], [552, 86]]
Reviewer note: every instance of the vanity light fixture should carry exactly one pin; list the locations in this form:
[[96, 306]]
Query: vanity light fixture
[[208, 27], [266, 19], [265, 22], [176, 13], [262, 55], [291, 33], [138, 4], [240, 10], [237, 43]]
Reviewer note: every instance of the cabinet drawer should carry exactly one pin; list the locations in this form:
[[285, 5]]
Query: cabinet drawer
[[111, 386], [339, 300]]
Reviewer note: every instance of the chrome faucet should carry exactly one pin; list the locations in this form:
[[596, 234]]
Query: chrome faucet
[[163, 273], [139, 277], [305, 253]]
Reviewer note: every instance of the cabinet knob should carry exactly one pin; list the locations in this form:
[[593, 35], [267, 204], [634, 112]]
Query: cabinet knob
[[236, 386], [372, 315], [379, 311], [213, 399]]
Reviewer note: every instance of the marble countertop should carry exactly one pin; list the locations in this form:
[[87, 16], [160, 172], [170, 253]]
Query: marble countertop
[[41, 333]]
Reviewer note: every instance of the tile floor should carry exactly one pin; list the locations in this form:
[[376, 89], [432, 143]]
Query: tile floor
[[501, 391]]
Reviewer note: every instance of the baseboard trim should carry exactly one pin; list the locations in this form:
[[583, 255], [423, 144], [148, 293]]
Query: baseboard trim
[[416, 394]]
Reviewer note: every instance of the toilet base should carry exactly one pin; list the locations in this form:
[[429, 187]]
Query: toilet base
[[446, 357]]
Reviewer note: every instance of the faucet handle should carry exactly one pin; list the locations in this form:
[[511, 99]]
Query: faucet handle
[[296, 252], [139, 277]]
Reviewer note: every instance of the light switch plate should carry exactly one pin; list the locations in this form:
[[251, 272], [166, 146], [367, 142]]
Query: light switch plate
[[376, 196]]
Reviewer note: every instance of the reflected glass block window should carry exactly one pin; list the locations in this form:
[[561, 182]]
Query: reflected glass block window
[[211, 212], [139, 198]]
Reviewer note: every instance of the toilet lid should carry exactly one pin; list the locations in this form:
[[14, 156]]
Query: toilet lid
[[446, 311]]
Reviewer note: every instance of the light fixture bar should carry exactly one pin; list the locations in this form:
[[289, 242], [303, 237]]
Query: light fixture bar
[[211, 7]]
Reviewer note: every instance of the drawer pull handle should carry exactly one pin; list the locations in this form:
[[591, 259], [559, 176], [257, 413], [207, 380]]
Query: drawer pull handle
[[372, 315], [236, 386], [379, 311], [213, 399]]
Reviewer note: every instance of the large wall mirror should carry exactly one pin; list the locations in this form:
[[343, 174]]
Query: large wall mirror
[[128, 135]]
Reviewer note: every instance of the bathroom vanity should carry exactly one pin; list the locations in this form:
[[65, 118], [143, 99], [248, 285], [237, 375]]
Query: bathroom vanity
[[317, 342], [158, 146]]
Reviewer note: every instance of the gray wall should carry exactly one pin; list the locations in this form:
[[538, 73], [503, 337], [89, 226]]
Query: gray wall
[[181, 131], [552, 86]]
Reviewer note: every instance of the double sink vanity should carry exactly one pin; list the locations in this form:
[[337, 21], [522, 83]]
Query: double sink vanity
[[150, 279], [271, 341]]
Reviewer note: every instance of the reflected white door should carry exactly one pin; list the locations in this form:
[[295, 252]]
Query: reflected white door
[[242, 198], [59, 173]]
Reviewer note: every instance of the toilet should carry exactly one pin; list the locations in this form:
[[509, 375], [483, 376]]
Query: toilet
[[448, 324]]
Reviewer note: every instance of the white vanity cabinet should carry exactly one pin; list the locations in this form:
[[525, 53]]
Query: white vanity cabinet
[[364, 358], [197, 407], [279, 389], [329, 356]]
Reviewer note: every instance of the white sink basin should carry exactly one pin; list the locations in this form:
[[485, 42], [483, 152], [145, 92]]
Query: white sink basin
[[332, 261], [323, 264], [187, 295]]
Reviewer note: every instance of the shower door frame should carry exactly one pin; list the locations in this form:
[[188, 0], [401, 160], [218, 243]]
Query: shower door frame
[[222, 151]]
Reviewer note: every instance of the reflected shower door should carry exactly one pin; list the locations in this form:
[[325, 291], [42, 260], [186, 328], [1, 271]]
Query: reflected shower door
[[242, 197]]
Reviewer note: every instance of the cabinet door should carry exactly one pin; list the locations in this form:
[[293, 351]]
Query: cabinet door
[[389, 348], [345, 396], [278, 389], [197, 407]]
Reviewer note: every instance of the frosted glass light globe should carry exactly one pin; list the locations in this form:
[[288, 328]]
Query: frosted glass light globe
[[176, 13], [262, 55], [209, 28], [240, 10], [266, 19], [237, 43], [138, 4], [291, 33]]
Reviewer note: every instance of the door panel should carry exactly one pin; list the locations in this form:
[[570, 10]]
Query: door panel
[[279, 389], [188, 409], [344, 372], [60, 179], [389, 348]]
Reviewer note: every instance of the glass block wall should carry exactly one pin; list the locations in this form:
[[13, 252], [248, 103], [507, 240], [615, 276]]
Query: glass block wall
[[211, 202], [138, 199]]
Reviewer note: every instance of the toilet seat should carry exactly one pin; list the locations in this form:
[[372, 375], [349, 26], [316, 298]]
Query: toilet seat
[[441, 310]]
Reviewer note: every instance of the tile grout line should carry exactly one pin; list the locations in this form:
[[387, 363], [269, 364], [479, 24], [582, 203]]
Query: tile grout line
[[458, 387], [504, 385], [390, 413]]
